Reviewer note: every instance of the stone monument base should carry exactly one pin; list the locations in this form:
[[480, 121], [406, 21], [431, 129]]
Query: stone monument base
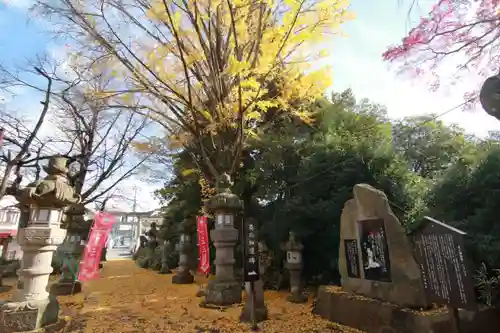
[[223, 293], [374, 316], [165, 270], [61, 288], [183, 278], [261, 313], [28, 316], [297, 298]]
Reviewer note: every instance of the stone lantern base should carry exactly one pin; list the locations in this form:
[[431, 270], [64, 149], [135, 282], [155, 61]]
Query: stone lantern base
[[183, 277], [223, 293], [297, 297], [69, 287], [28, 316]]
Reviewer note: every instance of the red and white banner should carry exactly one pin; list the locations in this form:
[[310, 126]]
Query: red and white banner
[[89, 266], [203, 245]]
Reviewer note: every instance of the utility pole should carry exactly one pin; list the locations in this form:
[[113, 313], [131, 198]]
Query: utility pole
[[134, 206], [137, 226]]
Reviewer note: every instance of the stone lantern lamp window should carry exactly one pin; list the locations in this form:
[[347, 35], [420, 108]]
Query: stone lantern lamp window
[[293, 257], [224, 219], [45, 216]]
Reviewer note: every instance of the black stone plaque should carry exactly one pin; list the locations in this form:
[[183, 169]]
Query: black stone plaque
[[352, 258], [440, 253], [251, 250], [374, 250]]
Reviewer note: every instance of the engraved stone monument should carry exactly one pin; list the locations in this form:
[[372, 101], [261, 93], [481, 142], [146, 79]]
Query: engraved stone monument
[[33, 307], [375, 255], [376, 261]]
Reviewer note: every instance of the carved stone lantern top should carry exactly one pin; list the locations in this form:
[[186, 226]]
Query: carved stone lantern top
[[54, 190], [293, 244], [187, 226], [224, 200]]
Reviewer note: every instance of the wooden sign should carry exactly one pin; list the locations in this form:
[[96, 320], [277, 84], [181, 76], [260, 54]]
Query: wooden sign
[[352, 258], [374, 250], [439, 250]]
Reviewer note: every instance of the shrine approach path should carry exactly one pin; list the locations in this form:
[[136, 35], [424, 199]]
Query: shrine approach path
[[129, 299]]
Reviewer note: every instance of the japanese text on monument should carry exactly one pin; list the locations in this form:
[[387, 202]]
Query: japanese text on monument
[[352, 258], [440, 253]]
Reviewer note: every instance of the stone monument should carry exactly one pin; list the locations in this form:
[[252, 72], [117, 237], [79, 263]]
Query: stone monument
[[382, 289], [294, 265], [375, 255], [184, 247], [33, 307], [224, 290]]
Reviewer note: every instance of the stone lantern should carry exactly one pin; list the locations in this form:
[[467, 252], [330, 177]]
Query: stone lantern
[[294, 264], [164, 269], [71, 251], [33, 307], [224, 205], [184, 247]]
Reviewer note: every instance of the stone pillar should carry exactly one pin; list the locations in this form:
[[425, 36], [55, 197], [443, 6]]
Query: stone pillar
[[224, 290], [261, 312], [23, 223], [71, 251], [294, 264], [184, 247], [164, 258], [32, 307]]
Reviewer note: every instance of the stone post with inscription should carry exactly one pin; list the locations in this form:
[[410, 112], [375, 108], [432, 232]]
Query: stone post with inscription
[[184, 247], [224, 290], [32, 307], [261, 312], [294, 264]]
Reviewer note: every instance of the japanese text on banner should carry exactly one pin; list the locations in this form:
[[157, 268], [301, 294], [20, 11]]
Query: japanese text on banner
[[89, 266]]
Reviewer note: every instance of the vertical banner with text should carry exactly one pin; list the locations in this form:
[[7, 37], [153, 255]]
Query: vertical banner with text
[[89, 266], [203, 245]]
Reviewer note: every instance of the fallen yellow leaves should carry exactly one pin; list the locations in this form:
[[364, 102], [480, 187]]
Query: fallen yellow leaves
[[129, 299]]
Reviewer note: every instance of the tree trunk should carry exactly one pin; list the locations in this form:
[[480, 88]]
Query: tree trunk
[[5, 180]]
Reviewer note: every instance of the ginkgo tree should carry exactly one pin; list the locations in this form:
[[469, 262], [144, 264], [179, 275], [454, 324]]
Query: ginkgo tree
[[209, 71]]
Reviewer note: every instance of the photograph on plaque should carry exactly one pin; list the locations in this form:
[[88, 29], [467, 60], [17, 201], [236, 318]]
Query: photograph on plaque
[[374, 250], [352, 258]]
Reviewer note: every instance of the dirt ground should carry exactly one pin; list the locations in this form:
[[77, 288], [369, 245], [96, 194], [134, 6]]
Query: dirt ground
[[129, 299]]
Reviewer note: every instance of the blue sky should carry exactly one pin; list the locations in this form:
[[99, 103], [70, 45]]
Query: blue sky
[[356, 61]]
